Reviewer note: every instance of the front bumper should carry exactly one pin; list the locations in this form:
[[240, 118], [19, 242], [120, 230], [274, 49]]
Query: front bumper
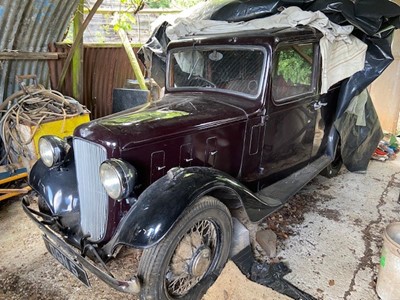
[[132, 286]]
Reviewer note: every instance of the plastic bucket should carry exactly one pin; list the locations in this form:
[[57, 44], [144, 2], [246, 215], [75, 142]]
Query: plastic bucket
[[388, 284]]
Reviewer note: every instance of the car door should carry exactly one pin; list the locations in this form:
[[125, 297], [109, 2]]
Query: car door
[[291, 109]]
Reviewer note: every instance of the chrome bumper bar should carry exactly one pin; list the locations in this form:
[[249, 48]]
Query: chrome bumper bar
[[132, 286]]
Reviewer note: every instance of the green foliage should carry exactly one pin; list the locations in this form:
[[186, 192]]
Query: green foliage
[[131, 3], [100, 37], [294, 68], [181, 4], [124, 20], [69, 38], [158, 3], [184, 3]]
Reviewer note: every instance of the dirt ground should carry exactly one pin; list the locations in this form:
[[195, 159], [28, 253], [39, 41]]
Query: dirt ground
[[306, 242], [28, 271]]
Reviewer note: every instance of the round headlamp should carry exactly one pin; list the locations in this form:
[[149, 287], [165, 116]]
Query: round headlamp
[[52, 150], [118, 178]]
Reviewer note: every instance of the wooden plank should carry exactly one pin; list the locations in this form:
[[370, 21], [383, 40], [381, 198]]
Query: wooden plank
[[101, 45], [156, 11], [77, 58], [20, 191], [76, 44], [9, 195], [15, 177], [14, 55]]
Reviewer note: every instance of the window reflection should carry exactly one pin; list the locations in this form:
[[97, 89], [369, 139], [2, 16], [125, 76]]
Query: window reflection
[[238, 70]]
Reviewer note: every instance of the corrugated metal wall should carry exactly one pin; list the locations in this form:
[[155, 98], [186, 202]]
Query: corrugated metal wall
[[104, 69], [30, 25]]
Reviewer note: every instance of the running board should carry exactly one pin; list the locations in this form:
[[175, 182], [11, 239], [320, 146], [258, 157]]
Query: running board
[[279, 193]]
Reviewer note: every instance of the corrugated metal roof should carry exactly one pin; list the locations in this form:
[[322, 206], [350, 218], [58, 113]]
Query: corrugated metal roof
[[30, 26]]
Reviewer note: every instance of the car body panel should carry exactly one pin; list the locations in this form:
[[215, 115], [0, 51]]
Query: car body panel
[[200, 141], [162, 204]]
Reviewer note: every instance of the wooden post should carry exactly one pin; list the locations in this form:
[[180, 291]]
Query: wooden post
[[77, 58], [74, 45], [132, 59]]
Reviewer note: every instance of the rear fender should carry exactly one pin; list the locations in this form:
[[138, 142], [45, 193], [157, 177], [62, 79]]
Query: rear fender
[[162, 204]]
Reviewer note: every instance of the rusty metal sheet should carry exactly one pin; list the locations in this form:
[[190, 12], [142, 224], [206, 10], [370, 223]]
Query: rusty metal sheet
[[30, 26], [105, 68]]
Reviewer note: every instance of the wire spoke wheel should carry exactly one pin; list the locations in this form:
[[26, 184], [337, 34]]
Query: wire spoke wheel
[[192, 258], [197, 246]]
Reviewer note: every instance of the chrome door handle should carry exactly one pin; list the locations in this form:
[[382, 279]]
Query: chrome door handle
[[319, 104]]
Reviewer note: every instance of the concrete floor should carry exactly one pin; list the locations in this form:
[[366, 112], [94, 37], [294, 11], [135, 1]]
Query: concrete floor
[[335, 252]]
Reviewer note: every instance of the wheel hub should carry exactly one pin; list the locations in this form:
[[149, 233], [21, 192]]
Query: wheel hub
[[200, 261]]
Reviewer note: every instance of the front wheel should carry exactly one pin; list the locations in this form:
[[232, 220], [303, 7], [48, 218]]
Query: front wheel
[[190, 256]]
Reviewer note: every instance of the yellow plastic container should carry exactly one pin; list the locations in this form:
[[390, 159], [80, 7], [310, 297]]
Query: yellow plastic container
[[60, 128]]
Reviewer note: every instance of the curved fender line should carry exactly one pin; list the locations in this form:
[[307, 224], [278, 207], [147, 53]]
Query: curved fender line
[[333, 141], [58, 187], [162, 204]]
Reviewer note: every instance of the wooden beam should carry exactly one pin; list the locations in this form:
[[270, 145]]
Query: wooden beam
[[75, 45], [100, 45], [15, 55], [20, 191], [156, 11], [77, 58], [14, 177], [13, 194], [132, 59]]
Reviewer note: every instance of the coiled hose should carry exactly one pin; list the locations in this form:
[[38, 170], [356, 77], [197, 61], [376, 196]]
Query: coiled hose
[[32, 107]]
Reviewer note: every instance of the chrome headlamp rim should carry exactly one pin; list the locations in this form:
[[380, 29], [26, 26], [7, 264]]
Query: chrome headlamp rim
[[124, 173], [52, 150]]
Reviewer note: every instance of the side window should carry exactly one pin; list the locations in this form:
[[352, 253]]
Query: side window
[[293, 74]]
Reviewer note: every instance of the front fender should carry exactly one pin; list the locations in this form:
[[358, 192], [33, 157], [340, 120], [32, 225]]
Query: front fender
[[58, 188], [161, 205]]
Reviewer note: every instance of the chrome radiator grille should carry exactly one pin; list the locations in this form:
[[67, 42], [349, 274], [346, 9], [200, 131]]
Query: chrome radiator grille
[[93, 198]]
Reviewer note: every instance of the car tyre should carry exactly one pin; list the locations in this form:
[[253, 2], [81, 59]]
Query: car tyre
[[190, 257], [334, 167]]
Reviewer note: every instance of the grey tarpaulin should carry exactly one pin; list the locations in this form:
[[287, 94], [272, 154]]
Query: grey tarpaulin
[[374, 21]]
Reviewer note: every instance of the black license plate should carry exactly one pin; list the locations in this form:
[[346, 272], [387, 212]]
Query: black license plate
[[72, 266]]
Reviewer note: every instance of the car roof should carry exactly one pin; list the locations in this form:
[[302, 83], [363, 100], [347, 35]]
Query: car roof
[[258, 36]]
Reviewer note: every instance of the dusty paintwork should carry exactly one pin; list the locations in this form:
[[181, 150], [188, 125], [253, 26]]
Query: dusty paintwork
[[229, 126]]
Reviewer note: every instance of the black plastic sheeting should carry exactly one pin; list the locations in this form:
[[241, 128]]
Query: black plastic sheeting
[[359, 140], [237, 11], [270, 275], [374, 22], [369, 16]]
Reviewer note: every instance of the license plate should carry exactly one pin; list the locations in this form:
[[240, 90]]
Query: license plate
[[74, 267]]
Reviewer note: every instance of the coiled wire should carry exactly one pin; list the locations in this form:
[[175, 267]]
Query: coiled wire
[[32, 107]]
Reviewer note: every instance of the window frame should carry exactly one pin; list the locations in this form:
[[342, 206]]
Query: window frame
[[261, 86], [315, 80]]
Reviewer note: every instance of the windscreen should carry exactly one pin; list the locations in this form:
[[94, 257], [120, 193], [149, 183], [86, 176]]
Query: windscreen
[[237, 70]]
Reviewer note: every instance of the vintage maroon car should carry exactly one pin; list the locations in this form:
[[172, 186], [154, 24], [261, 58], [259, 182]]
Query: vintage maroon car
[[242, 126]]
